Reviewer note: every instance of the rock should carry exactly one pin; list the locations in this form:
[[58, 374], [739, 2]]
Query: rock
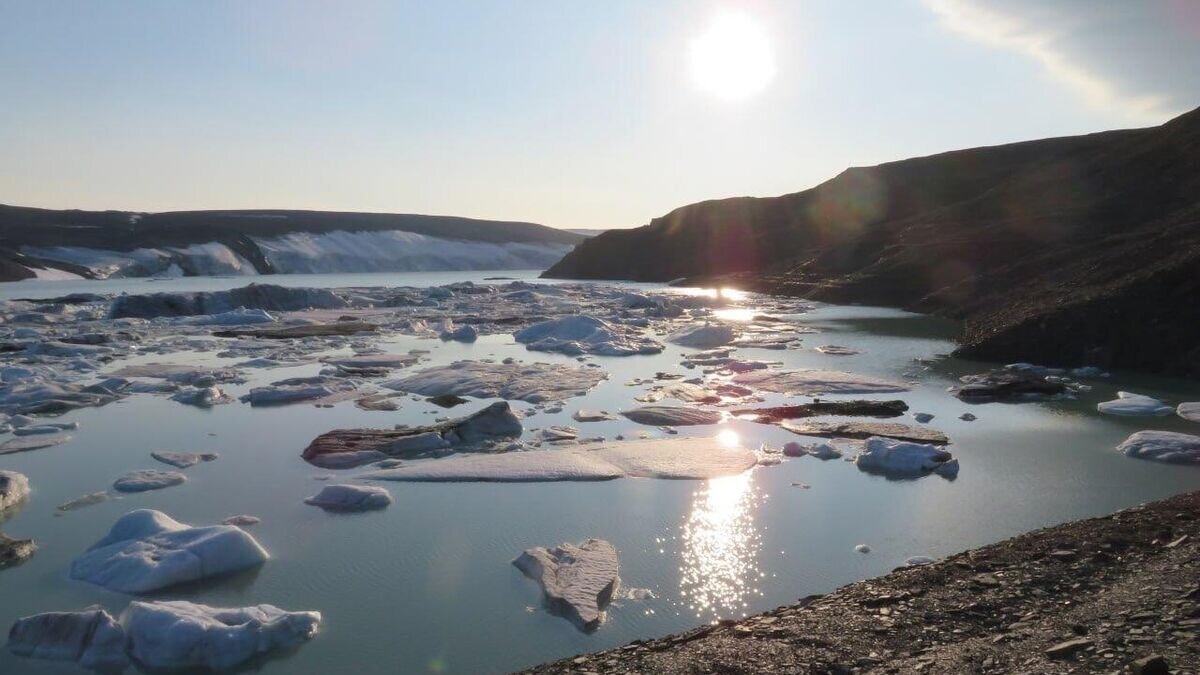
[[1163, 446], [1134, 405], [201, 397], [862, 548], [922, 418], [1067, 649], [559, 433], [1009, 383], [898, 458], [182, 460], [703, 337], [681, 458], [91, 638], [254, 296], [147, 550], [15, 551], [1150, 665], [350, 498], [343, 448], [179, 634], [532, 382], [967, 417], [917, 560], [807, 382], [580, 334], [585, 415], [242, 520], [578, 580], [148, 479], [665, 415], [858, 408], [14, 488], [1189, 411], [895, 430]]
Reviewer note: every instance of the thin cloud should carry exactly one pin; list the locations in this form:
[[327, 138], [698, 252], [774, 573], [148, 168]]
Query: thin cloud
[[1046, 37]]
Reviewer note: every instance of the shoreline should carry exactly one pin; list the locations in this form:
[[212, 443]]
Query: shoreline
[[1114, 594]]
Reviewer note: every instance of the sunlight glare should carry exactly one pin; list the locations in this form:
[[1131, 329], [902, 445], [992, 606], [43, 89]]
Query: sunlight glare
[[729, 438], [732, 58]]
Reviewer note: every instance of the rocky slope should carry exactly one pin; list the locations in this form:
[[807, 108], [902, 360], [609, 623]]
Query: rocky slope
[[1117, 594], [57, 244], [1074, 251]]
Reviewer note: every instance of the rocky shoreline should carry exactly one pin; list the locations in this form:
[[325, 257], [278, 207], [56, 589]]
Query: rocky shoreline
[[1115, 594]]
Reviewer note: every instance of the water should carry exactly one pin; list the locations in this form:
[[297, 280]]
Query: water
[[427, 585]]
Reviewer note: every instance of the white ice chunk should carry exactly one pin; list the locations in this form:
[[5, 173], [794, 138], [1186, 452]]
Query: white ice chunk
[[1131, 404], [1163, 446], [578, 580], [581, 334], [901, 458], [532, 382], [703, 337], [350, 498], [147, 550]]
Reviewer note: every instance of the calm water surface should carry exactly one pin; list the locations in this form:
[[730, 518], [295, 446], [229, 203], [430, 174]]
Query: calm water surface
[[427, 585]]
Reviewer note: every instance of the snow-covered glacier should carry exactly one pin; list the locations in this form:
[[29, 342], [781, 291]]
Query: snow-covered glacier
[[400, 251], [311, 252]]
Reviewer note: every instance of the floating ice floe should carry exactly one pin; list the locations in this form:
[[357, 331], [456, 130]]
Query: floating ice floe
[[161, 635], [182, 460], [348, 448], [585, 415], [671, 416], [1130, 404], [371, 364], [147, 550], [580, 334], [242, 520], [806, 382], [234, 317], [578, 580], [837, 350], [14, 488], [1189, 411], [1163, 446], [91, 638], [350, 498], [254, 296], [179, 634], [37, 442], [532, 382], [900, 458], [83, 502], [201, 397], [680, 458], [51, 398], [822, 451], [895, 430], [148, 479], [315, 389], [703, 337]]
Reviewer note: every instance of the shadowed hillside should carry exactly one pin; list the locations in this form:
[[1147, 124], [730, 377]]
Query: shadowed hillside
[[1071, 251]]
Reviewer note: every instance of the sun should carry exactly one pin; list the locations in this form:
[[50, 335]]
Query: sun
[[732, 58]]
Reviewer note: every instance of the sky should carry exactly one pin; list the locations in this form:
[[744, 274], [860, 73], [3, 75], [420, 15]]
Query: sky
[[570, 113]]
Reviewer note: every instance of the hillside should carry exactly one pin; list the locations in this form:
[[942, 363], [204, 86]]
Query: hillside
[[1070, 251], [123, 243]]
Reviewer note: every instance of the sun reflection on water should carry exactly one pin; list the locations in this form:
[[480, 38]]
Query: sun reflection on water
[[719, 570]]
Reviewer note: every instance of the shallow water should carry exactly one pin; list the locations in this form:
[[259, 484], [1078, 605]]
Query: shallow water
[[427, 585]]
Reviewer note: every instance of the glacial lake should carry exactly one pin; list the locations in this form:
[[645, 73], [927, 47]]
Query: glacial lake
[[427, 584]]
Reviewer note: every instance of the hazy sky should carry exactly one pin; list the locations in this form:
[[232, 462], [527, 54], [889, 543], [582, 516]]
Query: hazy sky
[[572, 113]]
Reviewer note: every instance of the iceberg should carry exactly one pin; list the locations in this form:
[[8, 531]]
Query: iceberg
[[901, 458], [579, 334], [147, 550], [92, 638], [1134, 405], [1163, 446], [350, 498], [703, 337], [806, 382], [578, 580], [679, 458]]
